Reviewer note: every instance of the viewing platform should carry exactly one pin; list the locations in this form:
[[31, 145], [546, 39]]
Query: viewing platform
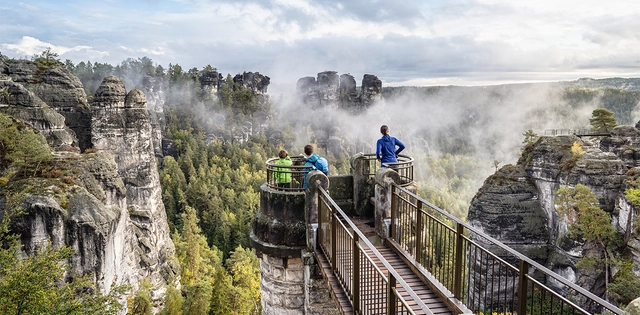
[[404, 167], [366, 243], [575, 132]]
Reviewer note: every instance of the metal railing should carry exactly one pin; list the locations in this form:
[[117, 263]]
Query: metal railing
[[484, 274], [575, 132], [287, 178], [346, 248], [404, 167]]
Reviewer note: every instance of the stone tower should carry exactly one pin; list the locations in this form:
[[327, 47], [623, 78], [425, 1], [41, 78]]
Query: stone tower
[[291, 281]]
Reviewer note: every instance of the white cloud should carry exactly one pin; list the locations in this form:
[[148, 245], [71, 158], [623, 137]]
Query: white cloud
[[29, 46], [443, 42]]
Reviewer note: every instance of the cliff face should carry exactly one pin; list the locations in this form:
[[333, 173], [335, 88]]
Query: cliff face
[[20, 102], [61, 91], [154, 91], [517, 204], [106, 205], [120, 125]]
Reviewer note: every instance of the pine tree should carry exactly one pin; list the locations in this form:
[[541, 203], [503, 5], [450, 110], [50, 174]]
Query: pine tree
[[172, 302], [141, 304], [602, 120]]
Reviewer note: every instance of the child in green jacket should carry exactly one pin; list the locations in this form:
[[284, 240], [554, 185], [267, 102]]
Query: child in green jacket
[[283, 174]]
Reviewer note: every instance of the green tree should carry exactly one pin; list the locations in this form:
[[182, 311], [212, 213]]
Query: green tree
[[198, 298], [529, 138], [172, 302], [141, 304], [496, 163], [626, 284], [47, 59], [35, 284], [22, 145], [602, 120], [244, 267], [587, 221], [197, 260]]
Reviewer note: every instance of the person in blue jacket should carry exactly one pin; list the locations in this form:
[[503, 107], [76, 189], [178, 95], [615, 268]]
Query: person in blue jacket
[[313, 160], [386, 151]]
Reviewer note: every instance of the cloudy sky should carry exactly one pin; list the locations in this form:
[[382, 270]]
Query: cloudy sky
[[403, 42]]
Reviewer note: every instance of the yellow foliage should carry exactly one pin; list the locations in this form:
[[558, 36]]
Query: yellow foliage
[[576, 150]]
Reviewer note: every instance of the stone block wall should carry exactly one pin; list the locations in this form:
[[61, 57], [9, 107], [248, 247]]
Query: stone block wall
[[282, 285]]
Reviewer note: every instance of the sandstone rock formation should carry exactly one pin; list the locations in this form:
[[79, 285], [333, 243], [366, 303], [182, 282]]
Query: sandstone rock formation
[[18, 100], [333, 91], [120, 125], [371, 90], [61, 91], [155, 95], [106, 205], [210, 81], [517, 204], [257, 82]]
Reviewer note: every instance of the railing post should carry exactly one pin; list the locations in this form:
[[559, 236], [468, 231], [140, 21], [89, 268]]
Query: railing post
[[394, 212], [321, 228], [522, 287], [457, 276], [334, 224], [356, 274], [391, 297], [419, 224]]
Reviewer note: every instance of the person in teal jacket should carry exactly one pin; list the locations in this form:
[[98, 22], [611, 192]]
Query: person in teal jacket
[[282, 175], [313, 160]]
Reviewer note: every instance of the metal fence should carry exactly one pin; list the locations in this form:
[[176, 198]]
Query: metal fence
[[566, 132], [404, 167], [481, 272], [287, 178], [351, 255]]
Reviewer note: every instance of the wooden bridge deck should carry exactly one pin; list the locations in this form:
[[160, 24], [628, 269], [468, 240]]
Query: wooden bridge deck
[[428, 297]]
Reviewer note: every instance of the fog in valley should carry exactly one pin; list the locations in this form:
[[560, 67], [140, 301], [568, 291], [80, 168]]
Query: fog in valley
[[455, 134], [458, 135]]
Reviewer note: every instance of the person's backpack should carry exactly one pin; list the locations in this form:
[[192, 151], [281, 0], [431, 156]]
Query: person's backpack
[[322, 165]]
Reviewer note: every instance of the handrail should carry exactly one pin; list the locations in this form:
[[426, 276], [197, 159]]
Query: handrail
[[393, 274], [404, 167], [575, 132], [461, 235], [287, 178]]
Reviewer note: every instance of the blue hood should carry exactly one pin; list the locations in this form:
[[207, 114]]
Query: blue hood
[[313, 158], [386, 138]]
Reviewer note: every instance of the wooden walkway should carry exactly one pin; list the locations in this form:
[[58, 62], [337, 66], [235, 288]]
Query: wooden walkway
[[428, 297]]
